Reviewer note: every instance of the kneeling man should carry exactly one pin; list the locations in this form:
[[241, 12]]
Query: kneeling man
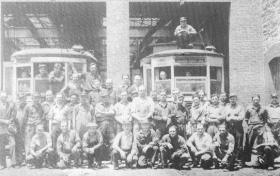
[[41, 149], [68, 146], [122, 146], [200, 148], [93, 145], [173, 146], [223, 145], [145, 147]]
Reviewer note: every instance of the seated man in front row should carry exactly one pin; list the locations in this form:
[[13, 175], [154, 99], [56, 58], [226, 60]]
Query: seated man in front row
[[145, 146], [223, 143], [122, 146], [199, 146], [68, 146], [93, 145], [41, 149], [173, 146], [184, 33]]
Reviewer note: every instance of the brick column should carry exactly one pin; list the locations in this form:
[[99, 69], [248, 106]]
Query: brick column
[[246, 53], [1, 49], [117, 39]]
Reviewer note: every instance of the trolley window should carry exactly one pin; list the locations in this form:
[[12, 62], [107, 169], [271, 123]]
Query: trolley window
[[190, 71], [162, 77], [215, 80], [23, 79]]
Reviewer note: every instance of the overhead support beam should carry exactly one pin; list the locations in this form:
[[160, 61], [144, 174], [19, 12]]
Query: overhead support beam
[[61, 34], [148, 37], [32, 28]]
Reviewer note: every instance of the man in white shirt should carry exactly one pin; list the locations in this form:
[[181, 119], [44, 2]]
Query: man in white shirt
[[123, 111], [142, 109]]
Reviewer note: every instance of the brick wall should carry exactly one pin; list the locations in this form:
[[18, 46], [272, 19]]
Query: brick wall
[[246, 52]]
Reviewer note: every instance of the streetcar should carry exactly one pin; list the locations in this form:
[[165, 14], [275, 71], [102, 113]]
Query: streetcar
[[187, 70], [39, 70]]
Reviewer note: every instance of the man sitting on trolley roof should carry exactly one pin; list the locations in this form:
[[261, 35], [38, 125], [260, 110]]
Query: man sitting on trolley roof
[[184, 33]]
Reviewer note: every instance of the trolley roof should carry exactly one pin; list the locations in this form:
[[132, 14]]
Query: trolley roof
[[186, 52], [181, 52], [52, 52]]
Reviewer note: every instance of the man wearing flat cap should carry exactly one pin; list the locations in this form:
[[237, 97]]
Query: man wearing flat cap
[[273, 110], [234, 114], [43, 73], [184, 33], [93, 145]]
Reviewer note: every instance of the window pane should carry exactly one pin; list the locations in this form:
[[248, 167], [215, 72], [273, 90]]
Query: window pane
[[216, 80], [190, 71]]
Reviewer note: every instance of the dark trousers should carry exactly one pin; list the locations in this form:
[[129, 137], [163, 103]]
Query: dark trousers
[[220, 155], [149, 155], [3, 143], [97, 155], [107, 128], [238, 135], [49, 157], [183, 40], [205, 160], [250, 137], [267, 154], [19, 148], [178, 158]]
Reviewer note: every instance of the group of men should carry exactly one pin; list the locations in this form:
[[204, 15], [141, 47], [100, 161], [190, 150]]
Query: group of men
[[85, 123]]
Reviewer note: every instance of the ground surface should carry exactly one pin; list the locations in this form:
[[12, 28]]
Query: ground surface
[[24, 171]]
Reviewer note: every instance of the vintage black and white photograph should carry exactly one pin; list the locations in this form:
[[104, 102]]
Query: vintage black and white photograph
[[140, 87]]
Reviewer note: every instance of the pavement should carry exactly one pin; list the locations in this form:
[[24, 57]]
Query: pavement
[[108, 171]]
